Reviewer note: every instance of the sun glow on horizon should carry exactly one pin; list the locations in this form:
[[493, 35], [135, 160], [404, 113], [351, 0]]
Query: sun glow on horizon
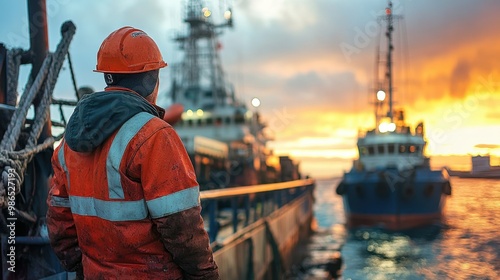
[[452, 126]]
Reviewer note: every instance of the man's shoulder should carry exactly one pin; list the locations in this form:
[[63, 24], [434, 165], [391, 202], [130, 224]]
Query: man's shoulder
[[153, 126], [155, 123]]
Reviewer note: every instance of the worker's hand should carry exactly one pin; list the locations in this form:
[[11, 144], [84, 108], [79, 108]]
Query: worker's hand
[[173, 113]]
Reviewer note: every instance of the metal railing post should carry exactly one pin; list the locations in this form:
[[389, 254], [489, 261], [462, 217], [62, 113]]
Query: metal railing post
[[234, 206], [247, 210], [212, 220]]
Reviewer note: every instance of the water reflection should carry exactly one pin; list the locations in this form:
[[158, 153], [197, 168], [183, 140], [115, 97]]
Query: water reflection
[[378, 254], [465, 246]]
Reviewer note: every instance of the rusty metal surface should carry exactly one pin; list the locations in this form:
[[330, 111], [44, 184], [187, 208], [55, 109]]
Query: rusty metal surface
[[267, 248]]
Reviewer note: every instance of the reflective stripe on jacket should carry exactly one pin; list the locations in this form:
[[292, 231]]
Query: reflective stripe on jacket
[[131, 207]]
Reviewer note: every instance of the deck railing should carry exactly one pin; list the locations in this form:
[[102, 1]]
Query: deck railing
[[228, 210]]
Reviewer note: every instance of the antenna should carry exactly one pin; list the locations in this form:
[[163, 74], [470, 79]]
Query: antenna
[[390, 47], [389, 17]]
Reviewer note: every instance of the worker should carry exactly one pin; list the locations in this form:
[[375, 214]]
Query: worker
[[124, 202]]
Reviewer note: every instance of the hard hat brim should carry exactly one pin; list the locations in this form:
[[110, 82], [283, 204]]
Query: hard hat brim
[[146, 68]]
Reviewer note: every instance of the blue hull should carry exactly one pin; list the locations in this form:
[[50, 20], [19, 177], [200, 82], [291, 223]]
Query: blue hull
[[394, 200]]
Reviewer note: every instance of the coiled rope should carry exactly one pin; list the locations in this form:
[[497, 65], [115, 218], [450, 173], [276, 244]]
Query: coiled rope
[[43, 86]]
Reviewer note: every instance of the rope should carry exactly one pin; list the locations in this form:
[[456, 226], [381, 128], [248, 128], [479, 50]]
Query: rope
[[13, 64], [67, 30], [19, 117], [11, 136], [46, 78], [41, 113], [17, 160]]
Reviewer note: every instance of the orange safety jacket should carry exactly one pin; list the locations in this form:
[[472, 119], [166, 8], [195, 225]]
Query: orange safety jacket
[[130, 208]]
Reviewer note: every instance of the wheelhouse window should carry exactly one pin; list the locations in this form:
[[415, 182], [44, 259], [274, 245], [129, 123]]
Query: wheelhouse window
[[418, 149], [363, 151], [239, 118], [371, 150], [381, 149], [403, 149], [391, 148], [412, 149]]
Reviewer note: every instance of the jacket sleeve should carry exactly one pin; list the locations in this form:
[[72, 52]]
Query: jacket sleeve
[[62, 230], [185, 238], [173, 199]]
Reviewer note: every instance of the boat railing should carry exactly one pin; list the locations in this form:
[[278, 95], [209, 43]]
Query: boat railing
[[228, 210]]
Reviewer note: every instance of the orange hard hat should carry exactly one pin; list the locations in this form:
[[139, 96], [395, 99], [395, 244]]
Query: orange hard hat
[[128, 50]]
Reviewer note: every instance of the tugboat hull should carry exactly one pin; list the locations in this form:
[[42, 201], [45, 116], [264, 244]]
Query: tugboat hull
[[394, 200]]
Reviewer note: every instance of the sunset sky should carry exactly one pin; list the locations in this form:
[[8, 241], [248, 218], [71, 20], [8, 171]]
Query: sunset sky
[[312, 65]]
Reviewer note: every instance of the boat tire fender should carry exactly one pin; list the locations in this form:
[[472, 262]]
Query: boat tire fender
[[341, 188], [446, 189]]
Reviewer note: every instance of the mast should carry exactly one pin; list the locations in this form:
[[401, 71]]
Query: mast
[[201, 66], [384, 110], [390, 48], [39, 48]]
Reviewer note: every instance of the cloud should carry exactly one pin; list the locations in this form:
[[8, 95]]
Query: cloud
[[287, 53], [314, 89], [316, 144], [306, 68], [460, 78]]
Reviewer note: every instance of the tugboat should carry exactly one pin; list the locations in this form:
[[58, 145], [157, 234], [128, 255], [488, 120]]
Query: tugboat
[[225, 140], [391, 185]]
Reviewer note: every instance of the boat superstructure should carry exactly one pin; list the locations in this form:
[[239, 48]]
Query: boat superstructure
[[225, 139], [391, 184]]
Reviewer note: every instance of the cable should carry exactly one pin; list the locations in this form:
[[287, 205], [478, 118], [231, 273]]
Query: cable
[[73, 79]]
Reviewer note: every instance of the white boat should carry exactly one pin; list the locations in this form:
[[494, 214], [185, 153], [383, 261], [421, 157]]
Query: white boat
[[225, 139], [481, 168]]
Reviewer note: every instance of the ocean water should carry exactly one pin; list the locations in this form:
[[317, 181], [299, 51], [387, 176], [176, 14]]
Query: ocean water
[[465, 246]]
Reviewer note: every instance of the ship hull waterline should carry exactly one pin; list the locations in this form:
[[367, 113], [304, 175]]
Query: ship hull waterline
[[393, 222]]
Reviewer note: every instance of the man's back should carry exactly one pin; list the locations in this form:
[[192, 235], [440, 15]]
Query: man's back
[[127, 197]]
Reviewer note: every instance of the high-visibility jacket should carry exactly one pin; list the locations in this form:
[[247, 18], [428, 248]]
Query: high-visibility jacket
[[129, 208]]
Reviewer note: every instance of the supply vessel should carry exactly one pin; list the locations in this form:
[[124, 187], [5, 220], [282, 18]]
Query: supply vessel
[[225, 139]]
